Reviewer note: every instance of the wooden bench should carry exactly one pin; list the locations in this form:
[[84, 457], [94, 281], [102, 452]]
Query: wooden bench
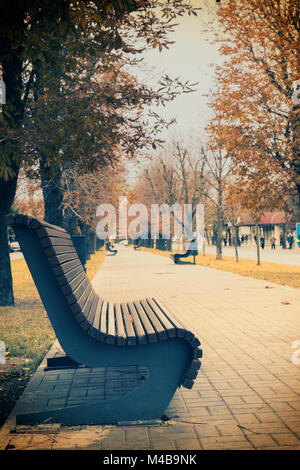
[[99, 333], [110, 249], [189, 252]]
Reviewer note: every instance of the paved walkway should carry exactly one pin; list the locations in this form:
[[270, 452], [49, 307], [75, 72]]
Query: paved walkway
[[291, 257], [247, 395]]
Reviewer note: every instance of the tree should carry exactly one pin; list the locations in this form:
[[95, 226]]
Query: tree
[[219, 170], [252, 97], [32, 37], [175, 175]]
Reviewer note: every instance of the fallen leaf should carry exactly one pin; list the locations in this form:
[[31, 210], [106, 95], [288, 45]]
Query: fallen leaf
[[269, 287], [285, 302]]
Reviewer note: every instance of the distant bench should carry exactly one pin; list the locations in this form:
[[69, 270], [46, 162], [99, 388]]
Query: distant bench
[[109, 248], [99, 333], [189, 252]]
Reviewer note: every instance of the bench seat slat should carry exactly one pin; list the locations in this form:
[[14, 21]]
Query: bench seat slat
[[76, 293], [158, 327], [78, 305], [95, 320], [111, 326], [88, 295], [86, 309], [73, 283], [138, 326], [92, 312], [66, 267], [57, 250], [49, 232], [149, 330], [54, 241], [128, 322], [162, 318], [102, 323], [65, 278], [86, 325], [63, 258], [121, 333], [36, 224], [180, 330]]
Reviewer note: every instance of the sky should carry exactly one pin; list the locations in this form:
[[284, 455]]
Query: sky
[[190, 58]]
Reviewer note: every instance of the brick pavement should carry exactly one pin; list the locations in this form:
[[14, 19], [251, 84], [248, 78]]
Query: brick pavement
[[247, 392]]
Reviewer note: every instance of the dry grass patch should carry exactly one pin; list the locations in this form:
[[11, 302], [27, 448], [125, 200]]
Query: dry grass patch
[[283, 274]]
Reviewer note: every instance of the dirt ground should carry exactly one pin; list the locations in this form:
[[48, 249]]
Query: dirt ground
[[13, 381]]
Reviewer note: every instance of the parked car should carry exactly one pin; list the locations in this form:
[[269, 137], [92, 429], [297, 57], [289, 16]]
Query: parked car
[[14, 246]]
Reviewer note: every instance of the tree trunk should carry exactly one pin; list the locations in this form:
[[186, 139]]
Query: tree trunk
[[12, 76], [257, 245], [236, 244], [7, 191], [52, 188], [219, 236]]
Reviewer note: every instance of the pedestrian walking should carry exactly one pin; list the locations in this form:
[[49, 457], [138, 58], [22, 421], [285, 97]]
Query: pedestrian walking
[[262, 242], [273, 241], [290, 240]]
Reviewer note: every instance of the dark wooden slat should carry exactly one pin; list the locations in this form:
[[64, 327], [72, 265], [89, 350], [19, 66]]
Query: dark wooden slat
[[54, 241], [138, 326], [85, 311], [78, 305], [92, 312], [65, 267], [195, 364], [10, 219], [23, 219], [111, 325], [57, 250], [36, 224], [67, 277], [103, 322], [85, 299], [121, 333], [95, 322], [149, 330], [159, 328], [171, 331], [73, 283], [128, 322], [60, 259], [198, 353], [188, 383], [180, 330], [76, 293], [49, 232], [195, 342], [191, 373]]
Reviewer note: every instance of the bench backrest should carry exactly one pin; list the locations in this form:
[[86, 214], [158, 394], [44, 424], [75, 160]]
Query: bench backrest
[[64, 288]]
